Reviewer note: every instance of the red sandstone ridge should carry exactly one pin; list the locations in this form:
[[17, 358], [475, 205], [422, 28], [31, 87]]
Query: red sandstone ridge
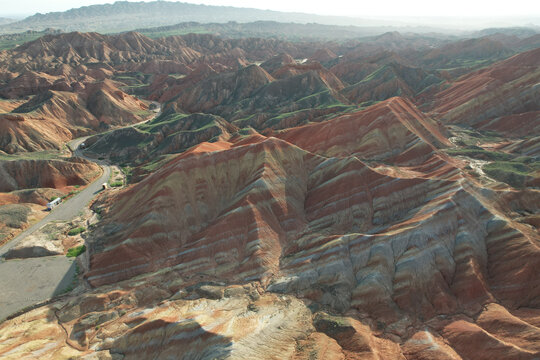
[[390, 129], [332, 231], [323, 56], [390, 80], [303, 215], [283, 210], [26, 186], [54, 117], [225, 88], [29, 174], [503, 89], [355, 66], [165, 88], [290, 70], [277, 62]]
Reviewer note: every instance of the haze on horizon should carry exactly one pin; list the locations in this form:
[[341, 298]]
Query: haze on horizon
[[528, 10]]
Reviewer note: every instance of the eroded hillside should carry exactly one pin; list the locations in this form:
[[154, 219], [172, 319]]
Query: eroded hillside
[[371, 199]]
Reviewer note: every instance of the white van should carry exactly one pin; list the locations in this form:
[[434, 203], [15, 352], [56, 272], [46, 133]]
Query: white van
[[53, 203]]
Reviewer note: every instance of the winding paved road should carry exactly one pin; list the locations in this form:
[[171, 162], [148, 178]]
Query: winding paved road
[[68, 209], [25, 282]]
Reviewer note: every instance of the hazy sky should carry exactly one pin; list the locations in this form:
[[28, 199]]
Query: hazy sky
[[466, 8]]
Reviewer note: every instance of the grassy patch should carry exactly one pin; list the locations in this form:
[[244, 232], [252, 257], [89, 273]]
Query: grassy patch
[[76, 231], [10, 41], [155, 34], [366, 104], [76, 251], [510, 172], [158, 163], [128, 172], [471, 138], [117, 184], [33, 155], [481, 154], [70, 194], [159, 122]]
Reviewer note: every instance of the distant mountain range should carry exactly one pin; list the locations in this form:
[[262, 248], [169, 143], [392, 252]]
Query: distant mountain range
[[175, 17], [265, 29], [124, 15], [4, 20]]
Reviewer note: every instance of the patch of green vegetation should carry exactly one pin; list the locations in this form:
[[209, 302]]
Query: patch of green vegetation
[[373, 75], [338, 107], [153, 34], [143, 113], [471, 137], [70, 194], [366, 104], [244, 131], [513, 173], [333, 109], [177, 76], [117, 184], [127, 170], [164, 119], [34, 155], [467, 63], [13, 40], [76, 251], [476, 152], [241, 122], [159, 162], [313, 96], [76, 231], [135, 86]]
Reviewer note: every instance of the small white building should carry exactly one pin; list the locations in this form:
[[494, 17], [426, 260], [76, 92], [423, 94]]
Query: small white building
[[53, 203], [105, 186]]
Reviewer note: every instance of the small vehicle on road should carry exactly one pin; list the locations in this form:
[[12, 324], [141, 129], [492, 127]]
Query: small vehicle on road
[[51, 205]]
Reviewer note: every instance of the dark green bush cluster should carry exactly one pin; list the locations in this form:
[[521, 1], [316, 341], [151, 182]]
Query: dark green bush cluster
[[76, 251], [76, 231]]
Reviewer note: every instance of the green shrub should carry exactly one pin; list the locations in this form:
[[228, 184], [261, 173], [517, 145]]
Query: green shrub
[[512, 173], [76, 231], [76, 251], [117, 184]]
